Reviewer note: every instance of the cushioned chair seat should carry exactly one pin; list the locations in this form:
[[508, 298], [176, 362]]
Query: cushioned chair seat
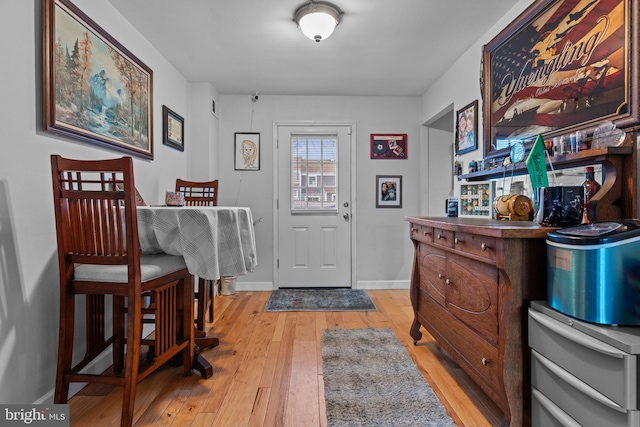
[[151, 267]]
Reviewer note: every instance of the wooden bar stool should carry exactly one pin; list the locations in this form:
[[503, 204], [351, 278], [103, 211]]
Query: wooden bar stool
[[99, 256]]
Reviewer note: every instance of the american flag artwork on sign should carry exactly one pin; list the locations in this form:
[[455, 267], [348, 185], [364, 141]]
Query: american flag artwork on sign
[[567, 66]]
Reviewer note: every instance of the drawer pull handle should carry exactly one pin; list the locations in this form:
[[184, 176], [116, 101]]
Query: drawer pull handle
[[456, 240], [439, 236], [485, 361], [448, 282], [440, 276], [484, 247], [426, 233]]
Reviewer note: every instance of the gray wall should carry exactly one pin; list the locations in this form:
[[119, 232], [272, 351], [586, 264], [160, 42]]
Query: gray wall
[[28, 255], [383, 251]]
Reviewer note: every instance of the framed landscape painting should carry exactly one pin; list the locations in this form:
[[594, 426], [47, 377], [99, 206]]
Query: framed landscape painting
[[93, 88], [561, 66]]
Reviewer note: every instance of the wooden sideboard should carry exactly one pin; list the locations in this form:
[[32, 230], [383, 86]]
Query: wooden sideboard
[[471, 285]]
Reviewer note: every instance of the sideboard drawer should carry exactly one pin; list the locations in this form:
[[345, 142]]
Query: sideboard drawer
[[610, 371], [443, 238], [421, 233], [483, 246]]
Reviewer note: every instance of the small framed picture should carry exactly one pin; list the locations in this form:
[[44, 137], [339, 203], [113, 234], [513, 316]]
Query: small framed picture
[[388, 191], [247, 151], [476, 199], [172, 129], [467, 128]]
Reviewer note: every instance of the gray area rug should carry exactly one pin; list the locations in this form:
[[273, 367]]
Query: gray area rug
[[320, 300], [370, 380]]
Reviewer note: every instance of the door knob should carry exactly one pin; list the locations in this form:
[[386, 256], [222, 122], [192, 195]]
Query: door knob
[[346, 217]]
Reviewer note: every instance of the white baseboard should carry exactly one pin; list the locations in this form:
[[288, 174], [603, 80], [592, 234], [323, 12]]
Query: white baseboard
[[254, 286], [361, 284], [382, 284]]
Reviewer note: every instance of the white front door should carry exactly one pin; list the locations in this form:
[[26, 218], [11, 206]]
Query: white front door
[[313, 206]]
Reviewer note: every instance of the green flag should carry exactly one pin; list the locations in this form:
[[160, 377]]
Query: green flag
[[536, 164]]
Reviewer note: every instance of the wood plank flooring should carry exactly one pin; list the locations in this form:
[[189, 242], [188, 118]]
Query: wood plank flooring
[[267, 371]]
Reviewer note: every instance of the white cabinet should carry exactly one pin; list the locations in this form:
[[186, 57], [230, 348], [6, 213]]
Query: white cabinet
[[582, 373]]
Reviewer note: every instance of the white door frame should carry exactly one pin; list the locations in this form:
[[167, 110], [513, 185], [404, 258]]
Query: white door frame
[[352, 182]]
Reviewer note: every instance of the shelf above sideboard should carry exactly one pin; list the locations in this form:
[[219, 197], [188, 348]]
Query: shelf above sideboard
[[571, 160]]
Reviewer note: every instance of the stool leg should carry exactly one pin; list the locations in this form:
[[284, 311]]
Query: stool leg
[[118, 333], [132, 358], [202, 303], [212, 294], [65, 346]]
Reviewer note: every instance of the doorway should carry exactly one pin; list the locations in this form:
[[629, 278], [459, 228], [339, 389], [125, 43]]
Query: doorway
[[313, 210], [436, 163]]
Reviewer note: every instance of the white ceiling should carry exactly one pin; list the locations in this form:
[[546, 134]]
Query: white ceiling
[[381, 47]]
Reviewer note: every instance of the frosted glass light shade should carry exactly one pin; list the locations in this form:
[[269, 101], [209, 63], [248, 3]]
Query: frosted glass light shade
[[317, 20]]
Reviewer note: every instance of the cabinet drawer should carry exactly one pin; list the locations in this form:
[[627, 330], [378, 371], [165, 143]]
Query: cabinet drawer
[[421, 233], [477, 356], [475, 244], [582, 403], [610, 371], [443, 238], [545, 413]]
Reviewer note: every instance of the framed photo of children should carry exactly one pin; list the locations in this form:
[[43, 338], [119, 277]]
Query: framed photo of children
[[388, 191], [467, 128], [247, 151]]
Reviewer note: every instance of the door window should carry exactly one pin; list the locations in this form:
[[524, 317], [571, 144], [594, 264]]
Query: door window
[[314, 169]]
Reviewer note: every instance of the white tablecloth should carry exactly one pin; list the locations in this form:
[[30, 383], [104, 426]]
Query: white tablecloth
[[214, 241]]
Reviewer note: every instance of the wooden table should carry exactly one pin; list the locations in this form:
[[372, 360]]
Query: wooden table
[[215, 241]]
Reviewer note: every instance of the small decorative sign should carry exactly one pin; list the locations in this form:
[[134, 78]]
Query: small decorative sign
[[389, 146]]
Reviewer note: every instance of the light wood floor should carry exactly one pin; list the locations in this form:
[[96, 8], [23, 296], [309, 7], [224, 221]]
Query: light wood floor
[[267, 371]]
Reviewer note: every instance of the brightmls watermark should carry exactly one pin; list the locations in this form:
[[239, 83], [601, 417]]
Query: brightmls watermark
[[36, 415]]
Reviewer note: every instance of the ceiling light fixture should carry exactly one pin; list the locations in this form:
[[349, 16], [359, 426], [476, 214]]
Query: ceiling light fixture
[[317, 20]]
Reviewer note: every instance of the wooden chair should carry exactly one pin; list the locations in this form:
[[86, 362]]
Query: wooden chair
[[198, 193], [99, 256], [201, 194]]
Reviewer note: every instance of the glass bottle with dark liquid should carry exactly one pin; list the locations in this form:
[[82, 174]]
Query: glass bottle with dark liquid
[[591, 187]]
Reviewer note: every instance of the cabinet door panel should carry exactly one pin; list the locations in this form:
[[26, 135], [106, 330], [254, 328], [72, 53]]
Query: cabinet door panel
[[432, 272], [472, 295]]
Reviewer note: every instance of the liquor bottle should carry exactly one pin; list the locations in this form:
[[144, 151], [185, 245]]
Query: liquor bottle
[[591, 187]]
